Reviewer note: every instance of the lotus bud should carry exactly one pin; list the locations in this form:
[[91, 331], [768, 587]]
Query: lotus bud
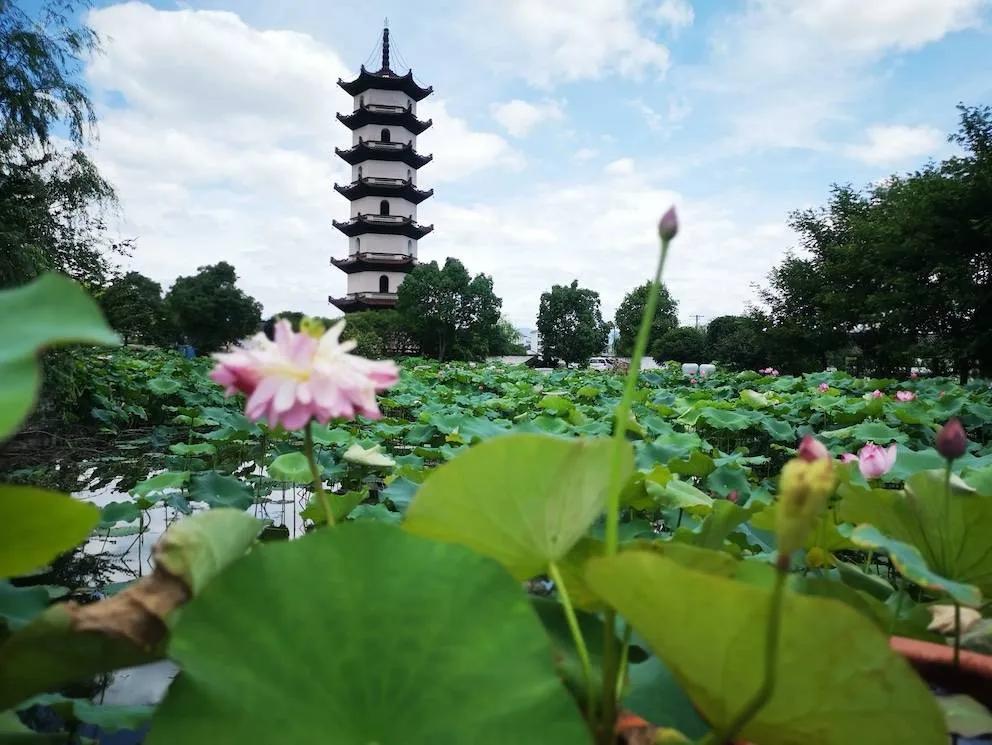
[[803, 489], [810, 449], [952, 442], [668, 226], [312, 327]]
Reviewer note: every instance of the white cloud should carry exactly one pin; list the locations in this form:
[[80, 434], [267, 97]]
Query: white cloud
[[891, 145], [676, 14], [224, 148], [619, 167], [518, 117], [549, 41], [586, 153], [781, 71]]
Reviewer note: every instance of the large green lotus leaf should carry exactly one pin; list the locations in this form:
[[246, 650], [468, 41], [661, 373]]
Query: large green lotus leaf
[[723, 419], [522, 499], [160, 483], [878, 432], [18, 605], [911, 565], [837, 681], [69, 642], [218, 490], [291, 467], [711, 533], [954, 545], [164, 386], [51, 310], [38, 525], [697, 464], [681, 495], [402, 640]]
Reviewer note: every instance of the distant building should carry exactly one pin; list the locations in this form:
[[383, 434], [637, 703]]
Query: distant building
[[383, 230], [531, 340]]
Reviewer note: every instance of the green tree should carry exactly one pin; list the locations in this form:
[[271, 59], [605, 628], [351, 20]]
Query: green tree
[[685, 344], [506, 340], [571, 324], [736, 342], [133, 305], [52, 198], [210, 311], [631, 310], [450, 313]]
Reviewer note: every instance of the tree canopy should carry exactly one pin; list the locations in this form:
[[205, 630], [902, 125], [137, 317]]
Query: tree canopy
[[52, 197], [210, 311], [451, 314], [133, 306], [894, 273], [571, 324], [631, 310], [685, 344]]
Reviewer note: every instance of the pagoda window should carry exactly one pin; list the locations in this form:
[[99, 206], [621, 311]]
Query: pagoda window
[[384, 207], [385, 135], [359, 172], [361, 101], [409, 174], [409, 246], [383, 283], [358, 245]]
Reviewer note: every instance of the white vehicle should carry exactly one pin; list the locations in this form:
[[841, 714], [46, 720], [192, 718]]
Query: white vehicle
[[600, 363]]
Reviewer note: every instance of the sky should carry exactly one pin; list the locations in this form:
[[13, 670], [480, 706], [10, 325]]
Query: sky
[[562, 131]]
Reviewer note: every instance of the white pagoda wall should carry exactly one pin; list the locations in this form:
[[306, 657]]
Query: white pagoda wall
[[374, 132], [384, 169], [370, 205], [383, 244], [369, 281], [387, 98]]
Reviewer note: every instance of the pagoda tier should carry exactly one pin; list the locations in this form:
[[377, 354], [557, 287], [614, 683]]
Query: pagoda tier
[[380, 113], [386, 224], [373, 262], [364, 301], [385, 80], [378, 150], [376, 186]]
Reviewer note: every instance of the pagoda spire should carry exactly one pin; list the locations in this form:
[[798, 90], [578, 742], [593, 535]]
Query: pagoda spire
[[385, 45]]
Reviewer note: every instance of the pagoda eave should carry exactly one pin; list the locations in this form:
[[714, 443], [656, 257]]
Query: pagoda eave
[[364, 301], [377, 224], [371, 262], [371, 186], [386, 80], [396, 116], [374, 150]]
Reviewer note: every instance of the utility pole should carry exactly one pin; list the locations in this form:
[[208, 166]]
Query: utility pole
[[697, 316]]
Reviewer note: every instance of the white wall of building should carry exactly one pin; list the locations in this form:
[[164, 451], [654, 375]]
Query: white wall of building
[[372, 205], [374, 132], [384, 169], [369, 281], [387, 98], [383, 244]]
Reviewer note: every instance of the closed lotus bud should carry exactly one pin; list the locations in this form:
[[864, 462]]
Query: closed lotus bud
[[312, 327], [952, 442], [668, 226], [803, 489], [810, 449]]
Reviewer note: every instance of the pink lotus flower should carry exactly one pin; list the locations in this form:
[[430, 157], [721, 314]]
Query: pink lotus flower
[[693, 380], [299, 376], [824, 387], [769, 371], [733, 496], [668, 226], [877, 393], [905, 395], [875, 461], [914, 375], [811, 449], [848, 458]]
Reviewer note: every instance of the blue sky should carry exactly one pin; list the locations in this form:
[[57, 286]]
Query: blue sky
[[562, 131]]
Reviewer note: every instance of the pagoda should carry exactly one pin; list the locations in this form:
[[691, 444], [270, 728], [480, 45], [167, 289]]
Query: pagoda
[[383, 230]]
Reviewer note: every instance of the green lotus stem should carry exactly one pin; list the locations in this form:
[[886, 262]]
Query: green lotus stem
[[946, 568], [580, 642], [624, 657], [611, 666], [318, 481], [730, 731]]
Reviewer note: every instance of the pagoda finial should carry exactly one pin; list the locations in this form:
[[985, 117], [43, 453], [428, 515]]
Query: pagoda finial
[[385, 45]]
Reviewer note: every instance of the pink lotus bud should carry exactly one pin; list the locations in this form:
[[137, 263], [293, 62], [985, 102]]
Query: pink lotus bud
[[733, 496], [875, 461], [848, 458], [824, 387], [668, 226], [905, 395], [693, 380], [914, 375], [774, 373], [952, 441], [877, 393], [812, 449]]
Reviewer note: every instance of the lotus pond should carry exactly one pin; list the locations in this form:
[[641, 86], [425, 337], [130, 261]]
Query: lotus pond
[[466, 592]]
